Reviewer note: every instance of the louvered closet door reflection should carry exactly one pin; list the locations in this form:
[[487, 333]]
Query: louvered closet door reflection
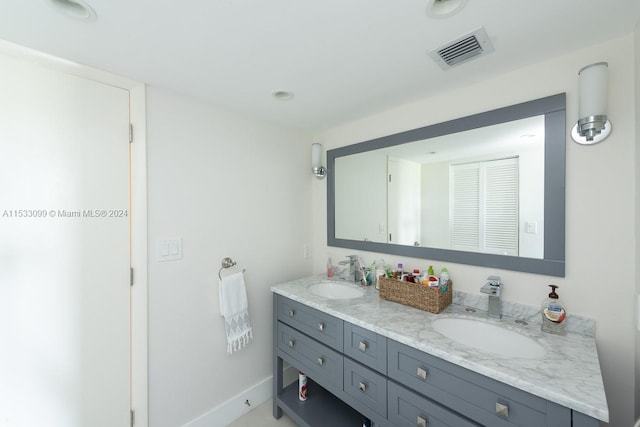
[[484, 212]]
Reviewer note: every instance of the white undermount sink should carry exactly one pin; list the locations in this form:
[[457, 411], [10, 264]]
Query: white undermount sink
[[335, 290], [489, 338]]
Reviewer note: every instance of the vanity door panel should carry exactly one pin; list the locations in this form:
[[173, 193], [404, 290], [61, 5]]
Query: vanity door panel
[[366, 386], [366, 347]]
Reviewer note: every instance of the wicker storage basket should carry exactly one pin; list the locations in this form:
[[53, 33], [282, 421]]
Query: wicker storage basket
[[415, 294]]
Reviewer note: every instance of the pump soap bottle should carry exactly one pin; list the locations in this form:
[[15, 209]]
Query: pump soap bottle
[[553, 313]]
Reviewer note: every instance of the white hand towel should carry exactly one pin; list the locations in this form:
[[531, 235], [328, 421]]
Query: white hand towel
[[235, 309]]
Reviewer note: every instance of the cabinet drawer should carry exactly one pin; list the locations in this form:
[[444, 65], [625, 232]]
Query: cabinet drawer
[[321, 326], [480, 398], [409, 409], [318, 361], [366, 386], [366, 347]]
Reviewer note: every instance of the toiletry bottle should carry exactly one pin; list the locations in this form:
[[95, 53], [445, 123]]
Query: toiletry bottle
[[329, 268], [553, 313], [400, 272], [425, 278], [444, 280], [444, 276], [433, 280], [302, 386], [381, 271]]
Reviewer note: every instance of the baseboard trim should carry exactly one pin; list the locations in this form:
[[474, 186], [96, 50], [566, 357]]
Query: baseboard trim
[[232, 409], [235, 407]]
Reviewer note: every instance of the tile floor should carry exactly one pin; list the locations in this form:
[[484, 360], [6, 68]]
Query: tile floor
[[261, 416]]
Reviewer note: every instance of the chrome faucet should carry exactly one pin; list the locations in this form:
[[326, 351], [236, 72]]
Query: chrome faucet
[[356, 270], [493, 288]]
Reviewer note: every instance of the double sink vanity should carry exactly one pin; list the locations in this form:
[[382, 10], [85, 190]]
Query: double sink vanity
[[400, 366]]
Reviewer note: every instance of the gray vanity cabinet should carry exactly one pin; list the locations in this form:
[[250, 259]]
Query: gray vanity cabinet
[[354, 372], [475, 396], [322, 364], [312, 341]]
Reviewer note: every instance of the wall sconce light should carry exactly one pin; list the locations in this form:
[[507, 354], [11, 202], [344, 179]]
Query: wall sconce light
[[592, 126], [316, 161]]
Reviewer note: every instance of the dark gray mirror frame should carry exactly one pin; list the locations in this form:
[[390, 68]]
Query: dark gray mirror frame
[[553, 263]]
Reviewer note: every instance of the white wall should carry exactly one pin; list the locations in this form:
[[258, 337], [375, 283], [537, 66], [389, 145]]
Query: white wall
[[435, 206], [600, 193], [228, 186]]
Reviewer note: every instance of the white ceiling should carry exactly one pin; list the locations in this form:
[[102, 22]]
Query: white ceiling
[[516, 136], [343, 59]]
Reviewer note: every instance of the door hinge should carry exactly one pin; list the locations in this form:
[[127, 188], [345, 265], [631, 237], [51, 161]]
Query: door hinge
[[133, 418], [131, 276], [130, 133], [389, 177]]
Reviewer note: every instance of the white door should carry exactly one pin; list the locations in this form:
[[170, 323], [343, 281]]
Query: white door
[[64, 251], [403, 207]]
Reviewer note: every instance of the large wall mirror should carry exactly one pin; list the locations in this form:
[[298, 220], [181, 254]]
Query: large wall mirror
[[487, 190]]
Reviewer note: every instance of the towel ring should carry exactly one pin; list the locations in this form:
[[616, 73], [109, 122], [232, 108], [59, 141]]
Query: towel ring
[[227, 263]]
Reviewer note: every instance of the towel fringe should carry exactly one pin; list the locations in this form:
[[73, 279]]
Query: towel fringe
[[239, 342]]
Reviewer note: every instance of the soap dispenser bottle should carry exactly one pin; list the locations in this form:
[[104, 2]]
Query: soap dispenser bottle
[[553, 313]]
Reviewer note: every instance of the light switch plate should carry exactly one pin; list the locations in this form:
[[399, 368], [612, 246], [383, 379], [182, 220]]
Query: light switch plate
[[532, 227], [169, 249]]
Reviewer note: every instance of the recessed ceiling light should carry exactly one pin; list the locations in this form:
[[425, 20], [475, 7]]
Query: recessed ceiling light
[[76, 9], [444, 8], [282, 95]]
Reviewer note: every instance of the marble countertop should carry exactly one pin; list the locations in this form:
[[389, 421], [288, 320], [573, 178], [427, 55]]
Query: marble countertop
[[569, 374]]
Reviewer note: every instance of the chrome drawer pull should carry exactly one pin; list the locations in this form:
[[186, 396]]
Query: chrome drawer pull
[[291, 343], [292, 313], [321, 326], [502, 410], [422, 373], [362, 386], [320, 361], [362, 346], [422, 422]]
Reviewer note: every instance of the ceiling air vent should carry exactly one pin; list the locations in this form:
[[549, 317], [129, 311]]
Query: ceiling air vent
[[462, 49]]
